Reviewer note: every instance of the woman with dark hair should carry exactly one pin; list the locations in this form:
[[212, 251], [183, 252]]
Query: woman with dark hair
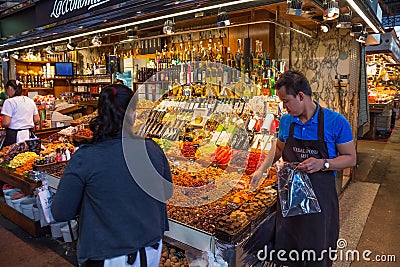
[[120, 222], [19, 114]]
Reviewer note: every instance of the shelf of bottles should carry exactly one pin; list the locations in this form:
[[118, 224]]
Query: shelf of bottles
[[41, 79], [92, 79], [227, 96], [36, 81], [214, 67], [87, 88]]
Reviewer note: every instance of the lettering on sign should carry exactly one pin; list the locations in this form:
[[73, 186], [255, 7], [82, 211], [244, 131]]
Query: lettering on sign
[[62, 7]]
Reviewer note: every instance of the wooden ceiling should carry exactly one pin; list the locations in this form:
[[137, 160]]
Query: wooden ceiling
[[308, 19]]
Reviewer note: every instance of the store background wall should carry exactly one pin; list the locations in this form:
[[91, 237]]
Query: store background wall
[[322, 59], [88, 57]]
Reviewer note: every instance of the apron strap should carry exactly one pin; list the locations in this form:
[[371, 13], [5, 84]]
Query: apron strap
[[321, 132], [143, 258], [291, 130], [142, 255]]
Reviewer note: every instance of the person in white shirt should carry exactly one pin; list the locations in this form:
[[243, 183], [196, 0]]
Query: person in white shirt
[[19, 114]]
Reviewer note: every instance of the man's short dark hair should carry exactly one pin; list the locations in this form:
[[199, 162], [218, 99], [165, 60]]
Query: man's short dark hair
[[294, 82]]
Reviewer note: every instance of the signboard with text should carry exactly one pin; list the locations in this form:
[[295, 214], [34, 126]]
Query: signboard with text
[[48, 12], [55, 10]]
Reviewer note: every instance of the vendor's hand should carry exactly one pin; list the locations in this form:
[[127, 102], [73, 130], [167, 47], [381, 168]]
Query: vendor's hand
[[256, 179], [311, 165]]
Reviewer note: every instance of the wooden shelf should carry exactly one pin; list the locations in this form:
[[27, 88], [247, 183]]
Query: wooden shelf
[[95, 75], [30, 226], [17, 181], [39, 62], [151, 82], [95, 83], [32, 61], [13, 215], [61, 78], [38, 88], [88, 103]]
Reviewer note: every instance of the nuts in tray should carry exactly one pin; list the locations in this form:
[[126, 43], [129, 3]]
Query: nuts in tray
[[84, 133], [207, 221], [252, 209], [181, 214], [266, 197], [232, 223]]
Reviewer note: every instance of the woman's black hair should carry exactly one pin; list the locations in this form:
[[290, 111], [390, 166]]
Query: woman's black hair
[[294, 82], [113, 103], [16, 85]]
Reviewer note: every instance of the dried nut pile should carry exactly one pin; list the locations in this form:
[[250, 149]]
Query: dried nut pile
[[172, 257]]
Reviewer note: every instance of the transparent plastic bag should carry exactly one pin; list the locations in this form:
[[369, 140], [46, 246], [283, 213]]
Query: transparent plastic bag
[[295, 190]]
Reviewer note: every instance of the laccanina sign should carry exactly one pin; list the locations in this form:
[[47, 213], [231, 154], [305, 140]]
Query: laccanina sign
[[63, 7]]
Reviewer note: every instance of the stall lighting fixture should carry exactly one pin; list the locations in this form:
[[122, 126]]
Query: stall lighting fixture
[[49, 50], [71, 45], [223, 19], [362, 15], [132, 34], [359, 31], [15, 55], [4, 57], [325, 27], [331, 10], [294, 7], [363, 37], [344, 21], [117, 27], [169, 27], [96, 41], [356, 29]]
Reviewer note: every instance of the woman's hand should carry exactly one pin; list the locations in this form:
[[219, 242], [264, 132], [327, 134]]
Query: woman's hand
[[311, 165]]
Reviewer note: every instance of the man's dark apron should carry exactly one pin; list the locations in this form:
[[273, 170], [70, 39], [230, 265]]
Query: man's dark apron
[[317, 231]]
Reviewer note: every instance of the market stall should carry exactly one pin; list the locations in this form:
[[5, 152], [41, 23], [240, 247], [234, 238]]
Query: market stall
[[383, 74], [214, 142]]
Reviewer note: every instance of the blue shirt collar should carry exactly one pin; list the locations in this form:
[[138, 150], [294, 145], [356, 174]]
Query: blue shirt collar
[[314, 119]]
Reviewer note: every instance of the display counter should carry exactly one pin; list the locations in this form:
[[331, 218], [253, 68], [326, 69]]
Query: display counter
[[195, 242], [44, 133], [213, 145], [32, 227]]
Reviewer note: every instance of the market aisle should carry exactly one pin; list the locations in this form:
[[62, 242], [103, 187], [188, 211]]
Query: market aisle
[[380, 233], [355, 205], [16, 252]]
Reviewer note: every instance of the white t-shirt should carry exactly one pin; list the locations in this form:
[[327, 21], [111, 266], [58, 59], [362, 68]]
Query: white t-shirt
[[21, 110]]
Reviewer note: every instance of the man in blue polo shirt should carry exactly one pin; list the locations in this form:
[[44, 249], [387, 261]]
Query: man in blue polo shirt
[[322, 141]]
